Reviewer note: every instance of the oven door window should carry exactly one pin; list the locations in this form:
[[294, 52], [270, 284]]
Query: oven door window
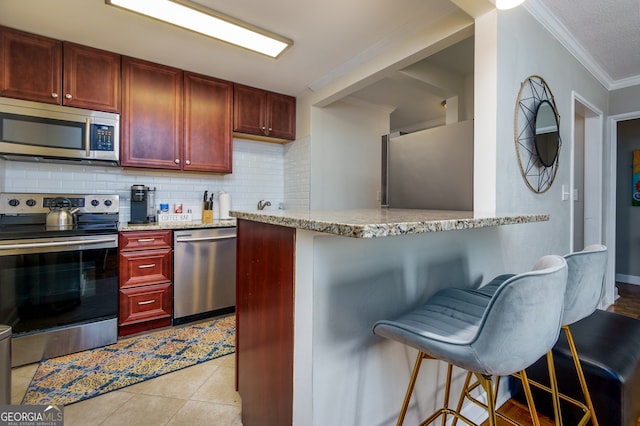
[[46, 290]]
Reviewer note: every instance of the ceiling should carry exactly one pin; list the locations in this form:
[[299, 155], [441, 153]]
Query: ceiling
[[332, 37], [603, 35]]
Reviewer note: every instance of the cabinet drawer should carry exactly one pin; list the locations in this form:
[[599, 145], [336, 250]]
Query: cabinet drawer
[[137, 240], [145, 303], [145, 267]]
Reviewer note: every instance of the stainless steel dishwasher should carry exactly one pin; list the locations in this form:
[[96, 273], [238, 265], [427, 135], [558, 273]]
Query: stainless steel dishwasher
[[204, 273]]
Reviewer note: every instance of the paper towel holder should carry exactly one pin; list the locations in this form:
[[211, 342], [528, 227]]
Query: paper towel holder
[[224, 203]]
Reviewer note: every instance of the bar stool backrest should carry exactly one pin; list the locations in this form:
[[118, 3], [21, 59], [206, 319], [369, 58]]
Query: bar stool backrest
[[585, 282], [523, 319]]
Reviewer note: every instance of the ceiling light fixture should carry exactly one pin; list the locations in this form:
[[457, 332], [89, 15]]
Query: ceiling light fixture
[[205, 21], [508, 4]]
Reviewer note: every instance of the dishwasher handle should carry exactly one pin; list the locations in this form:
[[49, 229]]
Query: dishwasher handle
[[187, 239]]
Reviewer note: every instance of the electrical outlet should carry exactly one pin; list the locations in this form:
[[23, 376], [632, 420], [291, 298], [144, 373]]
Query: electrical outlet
[[378, 196]]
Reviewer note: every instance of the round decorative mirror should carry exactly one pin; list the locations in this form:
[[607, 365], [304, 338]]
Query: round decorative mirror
[[537, 134], [547, 137]]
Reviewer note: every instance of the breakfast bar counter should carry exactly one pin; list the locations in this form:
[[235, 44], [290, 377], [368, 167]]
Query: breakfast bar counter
[[310, 285]]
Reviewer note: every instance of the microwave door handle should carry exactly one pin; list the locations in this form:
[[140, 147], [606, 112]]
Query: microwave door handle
[[87, 138]]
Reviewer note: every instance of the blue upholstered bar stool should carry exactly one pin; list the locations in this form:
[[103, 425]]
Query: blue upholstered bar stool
[[518, 325], [586, 271]]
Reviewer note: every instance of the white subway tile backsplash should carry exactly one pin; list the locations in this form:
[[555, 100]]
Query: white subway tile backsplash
[[258, 173], [261, 171]]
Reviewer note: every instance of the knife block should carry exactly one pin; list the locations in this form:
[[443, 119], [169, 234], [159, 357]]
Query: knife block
[[207, 216]]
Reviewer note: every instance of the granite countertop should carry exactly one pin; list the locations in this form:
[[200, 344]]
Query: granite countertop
[[196, 224], [373, 223]]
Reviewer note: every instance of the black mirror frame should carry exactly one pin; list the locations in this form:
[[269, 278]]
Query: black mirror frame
[[538, 176]]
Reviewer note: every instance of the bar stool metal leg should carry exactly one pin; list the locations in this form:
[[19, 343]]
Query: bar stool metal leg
[[583, 382], [553, 381], [412, 383]]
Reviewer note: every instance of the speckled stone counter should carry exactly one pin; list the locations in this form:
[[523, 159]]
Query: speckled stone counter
[[221, 223], [373, 223], [315, 282]]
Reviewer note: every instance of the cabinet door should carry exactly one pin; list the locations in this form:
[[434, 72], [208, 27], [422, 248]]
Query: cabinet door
[[208, 114], [249, 110], [151, 115], [142, 304], [139, 268], [91, 78], [30, 66], [281, 116]]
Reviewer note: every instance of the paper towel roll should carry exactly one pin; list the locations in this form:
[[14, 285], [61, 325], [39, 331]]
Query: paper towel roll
[[224, 201]]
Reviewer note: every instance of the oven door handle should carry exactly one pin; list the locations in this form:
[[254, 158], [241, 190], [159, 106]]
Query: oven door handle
[[56, 244]]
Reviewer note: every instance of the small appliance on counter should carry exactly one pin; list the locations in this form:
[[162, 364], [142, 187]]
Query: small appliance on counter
[[142, 204]]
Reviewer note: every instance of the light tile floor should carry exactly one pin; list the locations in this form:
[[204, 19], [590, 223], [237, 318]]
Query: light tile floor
[[200, 395]]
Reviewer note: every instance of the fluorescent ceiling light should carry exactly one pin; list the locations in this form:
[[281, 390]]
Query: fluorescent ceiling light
[[508, 4], [205, 21]]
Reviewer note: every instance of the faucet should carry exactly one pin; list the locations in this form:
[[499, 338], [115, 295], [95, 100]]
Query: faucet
[[262, 204]]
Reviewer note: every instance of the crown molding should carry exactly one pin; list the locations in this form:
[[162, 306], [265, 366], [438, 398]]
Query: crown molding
[[542, 14]]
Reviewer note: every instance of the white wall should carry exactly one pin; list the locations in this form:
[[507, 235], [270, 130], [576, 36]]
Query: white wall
[[525, 48], [258, 173], [346, 155], [625, 100]]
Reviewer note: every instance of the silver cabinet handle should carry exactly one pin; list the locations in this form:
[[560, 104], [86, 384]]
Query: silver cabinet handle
[[146, 240], [187, 239], [151, 265], [54, 95], [187, 162], [177, 161], [68, 96], [147, 302]]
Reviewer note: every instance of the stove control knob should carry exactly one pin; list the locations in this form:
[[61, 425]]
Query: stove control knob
[[95, 203], [31, 202], [107, 203], [14, 202]]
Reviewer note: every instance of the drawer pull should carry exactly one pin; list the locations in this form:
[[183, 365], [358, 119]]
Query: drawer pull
[[146, 240], [147, 302], [151, 265]]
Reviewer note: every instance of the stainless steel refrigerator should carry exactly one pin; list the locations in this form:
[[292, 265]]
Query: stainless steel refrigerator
[[429, 169]]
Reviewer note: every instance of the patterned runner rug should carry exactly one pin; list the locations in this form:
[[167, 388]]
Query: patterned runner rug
[[72, 378]]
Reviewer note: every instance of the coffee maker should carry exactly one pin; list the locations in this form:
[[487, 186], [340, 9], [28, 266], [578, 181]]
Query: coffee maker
[[140, 204]]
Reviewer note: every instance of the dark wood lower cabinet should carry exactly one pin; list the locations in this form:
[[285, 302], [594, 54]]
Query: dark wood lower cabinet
[[264, 330]]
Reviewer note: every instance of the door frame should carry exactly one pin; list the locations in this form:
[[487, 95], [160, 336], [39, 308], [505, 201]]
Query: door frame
[[596, 223], [610, 222], [593, 159]]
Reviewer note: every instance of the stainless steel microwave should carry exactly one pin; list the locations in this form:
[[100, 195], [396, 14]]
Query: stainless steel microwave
[[32, 131]]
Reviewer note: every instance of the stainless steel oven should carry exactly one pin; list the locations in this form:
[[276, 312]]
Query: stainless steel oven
[[58, 288]]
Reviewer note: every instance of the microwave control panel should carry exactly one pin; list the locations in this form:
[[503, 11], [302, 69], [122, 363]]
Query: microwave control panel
[[102, 137]]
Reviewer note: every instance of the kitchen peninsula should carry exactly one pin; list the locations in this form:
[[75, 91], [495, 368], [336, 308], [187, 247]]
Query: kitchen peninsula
[[310, 284]]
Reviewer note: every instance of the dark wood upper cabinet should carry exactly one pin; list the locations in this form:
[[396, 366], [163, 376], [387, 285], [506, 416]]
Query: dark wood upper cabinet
[[264, 114], [30, 67], [91, 78], [41, 69], [151, 115], [281, 116], [208, 116]]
